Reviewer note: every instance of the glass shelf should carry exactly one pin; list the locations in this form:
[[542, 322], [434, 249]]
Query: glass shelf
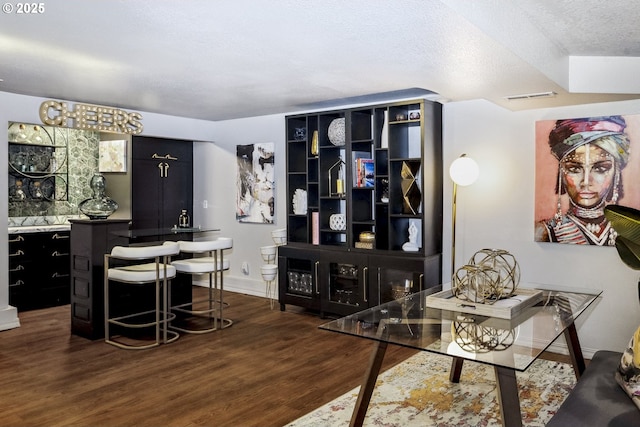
[[37, 166]]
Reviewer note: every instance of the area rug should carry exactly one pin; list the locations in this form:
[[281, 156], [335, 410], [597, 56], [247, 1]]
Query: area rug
[[417, 392]]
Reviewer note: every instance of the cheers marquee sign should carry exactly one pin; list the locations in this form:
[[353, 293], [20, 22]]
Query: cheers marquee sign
[[90, 117]]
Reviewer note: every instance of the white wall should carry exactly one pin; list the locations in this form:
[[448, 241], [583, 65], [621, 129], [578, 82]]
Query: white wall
[[215, 181], [498, 212]]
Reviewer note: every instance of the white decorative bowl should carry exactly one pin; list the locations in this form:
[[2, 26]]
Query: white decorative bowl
[[279, 236], [268, 253], [269, 271], [336, 132]]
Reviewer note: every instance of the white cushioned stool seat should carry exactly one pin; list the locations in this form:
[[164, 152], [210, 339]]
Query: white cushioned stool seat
[[141, 273], [199, 265], [206, 245], [145, 252]]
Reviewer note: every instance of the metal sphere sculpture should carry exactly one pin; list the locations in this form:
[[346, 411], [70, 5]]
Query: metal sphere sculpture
[[476, 338], [491, 274]]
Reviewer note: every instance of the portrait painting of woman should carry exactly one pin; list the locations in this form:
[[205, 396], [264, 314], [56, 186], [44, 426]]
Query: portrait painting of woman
[[582, 165]]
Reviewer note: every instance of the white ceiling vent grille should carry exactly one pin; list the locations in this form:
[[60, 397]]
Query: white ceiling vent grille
[[531, 96]]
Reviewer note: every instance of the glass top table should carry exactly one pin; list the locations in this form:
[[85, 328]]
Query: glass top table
[[149, 232], [509, 345]]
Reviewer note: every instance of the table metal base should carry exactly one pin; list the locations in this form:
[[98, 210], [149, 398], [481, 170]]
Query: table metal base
[[507, 386]]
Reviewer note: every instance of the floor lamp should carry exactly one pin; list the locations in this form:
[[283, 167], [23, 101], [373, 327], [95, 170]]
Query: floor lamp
[[463, 171]]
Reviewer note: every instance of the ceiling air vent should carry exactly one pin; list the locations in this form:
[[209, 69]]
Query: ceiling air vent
[[531, 96]]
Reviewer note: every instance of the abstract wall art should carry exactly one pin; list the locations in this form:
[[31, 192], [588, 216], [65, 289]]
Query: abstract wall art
[[255, 183]]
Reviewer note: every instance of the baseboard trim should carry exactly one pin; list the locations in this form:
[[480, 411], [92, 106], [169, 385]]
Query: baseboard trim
[[9, 318], [241, 285]]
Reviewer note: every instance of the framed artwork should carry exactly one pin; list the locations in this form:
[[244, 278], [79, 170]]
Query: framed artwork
[[112, 156], [255, 183], [583, 165]]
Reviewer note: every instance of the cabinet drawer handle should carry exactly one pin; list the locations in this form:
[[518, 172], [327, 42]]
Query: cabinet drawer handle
[[19, 252], [59, 236], [20, 267], [166, 157], [366, 283], [379, 284], [18, 283], [56, 253], [17, 239], [164, 169], [316, 275], [56, 274]]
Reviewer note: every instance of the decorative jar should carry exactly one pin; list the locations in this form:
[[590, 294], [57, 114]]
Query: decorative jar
[[337, 222], [367, 237], [100, 206]]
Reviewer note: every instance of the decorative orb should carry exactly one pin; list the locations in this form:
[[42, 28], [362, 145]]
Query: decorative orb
[[336, 132], [476, 338], [506, 270], [491, 274], [474, 283]]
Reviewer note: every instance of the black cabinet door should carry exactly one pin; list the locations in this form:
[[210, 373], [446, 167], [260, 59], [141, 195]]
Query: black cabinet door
[[394, 277], [146, 195], [298, 279], [38, 270], [177, 192], [344, 282], [162, 181]]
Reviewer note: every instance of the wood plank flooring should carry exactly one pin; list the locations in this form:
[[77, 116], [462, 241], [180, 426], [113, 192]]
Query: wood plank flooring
[[268, 369]]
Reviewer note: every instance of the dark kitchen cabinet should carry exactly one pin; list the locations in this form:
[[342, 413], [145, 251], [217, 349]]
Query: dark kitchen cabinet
[[299, 282], [161, 187], [161, 181], [38, 269], [332, 282]]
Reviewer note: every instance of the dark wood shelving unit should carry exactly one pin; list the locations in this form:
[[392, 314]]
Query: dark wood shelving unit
[[400, 185]]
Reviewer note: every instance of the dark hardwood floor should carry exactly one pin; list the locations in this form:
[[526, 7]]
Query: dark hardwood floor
[[268, 369]]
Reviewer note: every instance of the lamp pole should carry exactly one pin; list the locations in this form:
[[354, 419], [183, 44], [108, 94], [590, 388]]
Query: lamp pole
[[463, 171], [453, 230]]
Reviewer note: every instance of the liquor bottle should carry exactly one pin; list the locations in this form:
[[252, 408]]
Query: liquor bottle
[[183, 219]]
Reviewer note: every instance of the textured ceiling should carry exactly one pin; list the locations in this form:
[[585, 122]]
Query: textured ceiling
[[217, 60]]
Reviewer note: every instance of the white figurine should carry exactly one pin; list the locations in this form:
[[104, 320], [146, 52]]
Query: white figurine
[[411, 245]]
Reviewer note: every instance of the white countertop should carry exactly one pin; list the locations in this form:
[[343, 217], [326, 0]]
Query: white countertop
[[39, 228]]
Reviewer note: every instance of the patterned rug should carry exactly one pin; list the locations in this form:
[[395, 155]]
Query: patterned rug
[[405, 397]]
